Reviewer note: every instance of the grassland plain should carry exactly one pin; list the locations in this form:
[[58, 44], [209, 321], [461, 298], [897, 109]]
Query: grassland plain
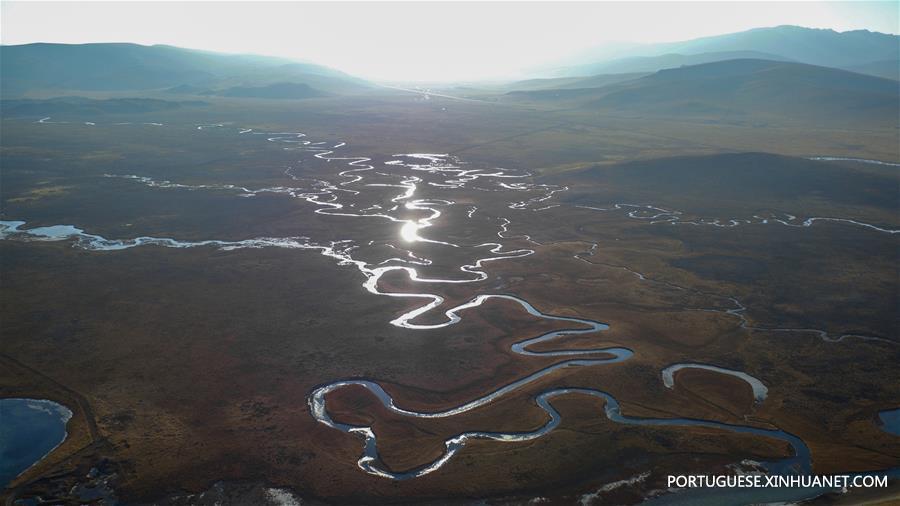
[[186, 367]]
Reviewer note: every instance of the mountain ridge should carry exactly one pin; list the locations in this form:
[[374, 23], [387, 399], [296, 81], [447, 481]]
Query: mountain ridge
[[815, 46], [135, 67]]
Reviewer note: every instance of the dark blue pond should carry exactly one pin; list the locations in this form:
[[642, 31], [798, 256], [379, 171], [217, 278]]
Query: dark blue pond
[[29, 430], [890, 421]]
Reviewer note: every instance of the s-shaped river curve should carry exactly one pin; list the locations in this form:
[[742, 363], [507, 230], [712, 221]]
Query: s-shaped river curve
[[327, 196]]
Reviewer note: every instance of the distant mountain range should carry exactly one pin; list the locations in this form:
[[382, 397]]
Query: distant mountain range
[[744, 88], [131, 67], [860, 51], [783, 73]]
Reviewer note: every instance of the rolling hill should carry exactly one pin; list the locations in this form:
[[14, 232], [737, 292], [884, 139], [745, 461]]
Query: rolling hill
[[570, 83], [889, 69], [654, 63], [131, 67], [739, 90], [760, 86]]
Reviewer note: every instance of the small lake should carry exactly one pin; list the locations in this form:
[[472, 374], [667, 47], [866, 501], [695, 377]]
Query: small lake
[[890, 421], [29, 430]]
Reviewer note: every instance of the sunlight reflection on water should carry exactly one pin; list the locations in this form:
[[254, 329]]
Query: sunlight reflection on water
[[410, 231]]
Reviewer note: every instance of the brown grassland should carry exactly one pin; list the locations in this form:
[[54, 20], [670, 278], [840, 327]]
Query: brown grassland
[[187, 367]]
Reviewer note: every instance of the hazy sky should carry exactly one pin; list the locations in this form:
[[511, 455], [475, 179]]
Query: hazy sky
[[418, 41]]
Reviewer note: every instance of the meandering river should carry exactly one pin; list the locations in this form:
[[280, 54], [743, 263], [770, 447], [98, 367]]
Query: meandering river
[[357, 191]]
